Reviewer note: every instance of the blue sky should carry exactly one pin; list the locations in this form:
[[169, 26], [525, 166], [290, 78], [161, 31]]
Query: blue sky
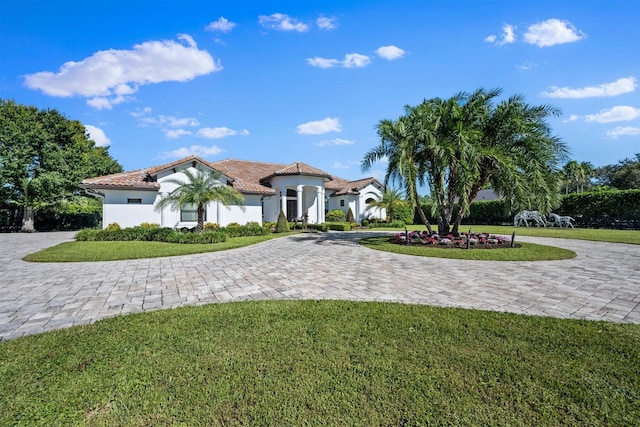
[[285, 81]]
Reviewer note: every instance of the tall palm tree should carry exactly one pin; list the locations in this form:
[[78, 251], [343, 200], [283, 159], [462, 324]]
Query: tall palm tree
[[515, 152], [201, 188], [391, 201], [400, 147]]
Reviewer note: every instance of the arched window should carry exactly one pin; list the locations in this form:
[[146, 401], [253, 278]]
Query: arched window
[[370, 200]]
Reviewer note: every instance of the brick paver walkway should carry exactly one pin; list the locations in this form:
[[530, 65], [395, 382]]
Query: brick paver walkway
[[601, 283]]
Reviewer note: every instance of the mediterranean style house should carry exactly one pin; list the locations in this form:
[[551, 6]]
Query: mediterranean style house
[[299, 190]]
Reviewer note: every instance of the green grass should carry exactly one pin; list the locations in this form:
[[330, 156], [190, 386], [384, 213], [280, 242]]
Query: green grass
[[527, 251], [112, 251], [600, 235], [324, 363]]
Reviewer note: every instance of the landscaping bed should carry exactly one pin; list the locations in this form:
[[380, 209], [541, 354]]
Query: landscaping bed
[[449, 241]]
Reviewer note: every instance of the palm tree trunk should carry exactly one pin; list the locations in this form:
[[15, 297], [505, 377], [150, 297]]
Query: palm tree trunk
[[423, 217], [200, 226]]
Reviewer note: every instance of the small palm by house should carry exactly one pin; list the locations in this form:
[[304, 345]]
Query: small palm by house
[[202, 187]]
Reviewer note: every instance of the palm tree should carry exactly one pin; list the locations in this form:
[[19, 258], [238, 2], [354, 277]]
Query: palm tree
[[399, 146], [391, 201], [574, 173], [513, 151], [202, 188]]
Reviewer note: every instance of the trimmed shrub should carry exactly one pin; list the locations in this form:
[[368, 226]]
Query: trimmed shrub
[[392, 224], [113, 226], [365, 222], [197, 238], [350, 217], [211, 226], [149, 225], [319, 227], [251, 229], [339, 226], [335, 215], [282, 226]]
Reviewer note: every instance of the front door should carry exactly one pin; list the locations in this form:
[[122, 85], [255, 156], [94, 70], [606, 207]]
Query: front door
[[292, 210]]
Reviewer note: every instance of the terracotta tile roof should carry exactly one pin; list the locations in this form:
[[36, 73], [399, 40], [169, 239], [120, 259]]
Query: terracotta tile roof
[[138, 179], [351, 187], [298, 168], [248, 177]]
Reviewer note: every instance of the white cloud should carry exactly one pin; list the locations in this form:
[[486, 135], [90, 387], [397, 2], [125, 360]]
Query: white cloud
[[322, 62], [162, 120], [572, 118], [490, 38], [619, 131], [325, 23], [321, 126], [527, 65], [620, 86], [338, 165], [390, 52], [141, 113], [222, 24], [176, 133], [198, 150], [98, 136], [351, 60], [355, 60], [621, 113], [552, 32], [280, 21], [107, 76], [215, 133], [508, 36], [335, 141]]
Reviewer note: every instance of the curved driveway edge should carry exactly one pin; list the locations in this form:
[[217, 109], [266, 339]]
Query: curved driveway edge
[[601, 283]]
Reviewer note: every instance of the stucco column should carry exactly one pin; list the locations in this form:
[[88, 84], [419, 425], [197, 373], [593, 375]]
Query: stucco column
[[163, 215], [319, 203], [299, 212], [283, 200]]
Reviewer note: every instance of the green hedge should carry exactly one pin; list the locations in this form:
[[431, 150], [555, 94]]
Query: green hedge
[[598, 209], [624, 203], [318, 227], [338, 226], [157, 234], [392, 224]]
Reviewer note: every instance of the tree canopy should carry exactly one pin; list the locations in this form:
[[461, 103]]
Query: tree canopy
[[459, 145], [625, 175], [43, 158]]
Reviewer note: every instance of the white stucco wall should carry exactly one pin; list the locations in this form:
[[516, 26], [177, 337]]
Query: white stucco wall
[[358, 205], [115, 208]]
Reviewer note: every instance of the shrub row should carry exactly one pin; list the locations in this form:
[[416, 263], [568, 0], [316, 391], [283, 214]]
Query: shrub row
[[153, 233], [392, 224]]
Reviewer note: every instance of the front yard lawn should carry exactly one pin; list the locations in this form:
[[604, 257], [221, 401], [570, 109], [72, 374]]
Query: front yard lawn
[[324, 363], [112, 251]]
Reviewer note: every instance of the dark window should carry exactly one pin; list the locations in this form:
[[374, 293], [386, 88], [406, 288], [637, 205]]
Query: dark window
[[369, 200], [189, 213], [341, 203], [134, 201]]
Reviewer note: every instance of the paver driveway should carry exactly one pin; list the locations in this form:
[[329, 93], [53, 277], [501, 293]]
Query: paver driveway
[[601, 283]]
